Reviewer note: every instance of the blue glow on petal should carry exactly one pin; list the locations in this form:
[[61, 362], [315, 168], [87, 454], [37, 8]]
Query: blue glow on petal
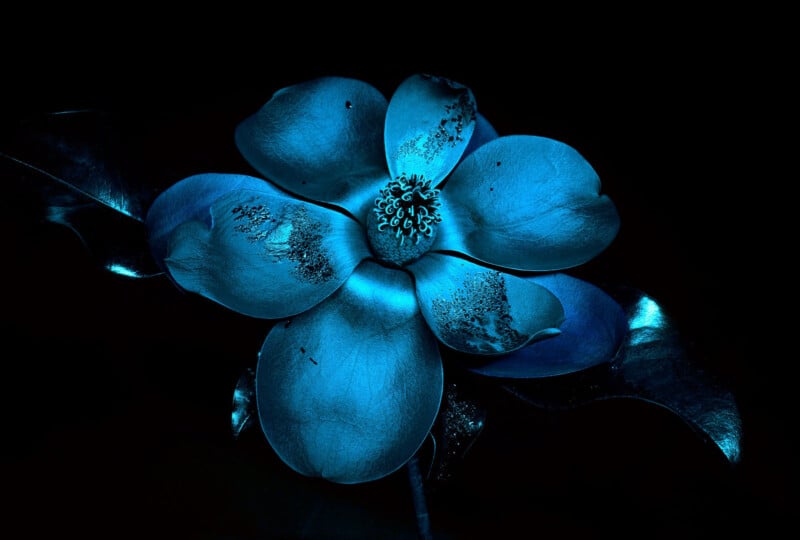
[[592, 332], [527, 203], [429, 123], [364, 289], [190, 200], [478, 310], [266, 255], [349, 390], [320, 139]]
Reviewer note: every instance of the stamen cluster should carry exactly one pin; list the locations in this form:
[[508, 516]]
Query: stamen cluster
[[409, 207]]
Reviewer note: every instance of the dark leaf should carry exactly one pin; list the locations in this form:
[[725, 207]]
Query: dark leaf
[[71, 169], [653, 365]]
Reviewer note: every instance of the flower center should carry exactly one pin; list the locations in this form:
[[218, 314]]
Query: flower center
[[402, 226]]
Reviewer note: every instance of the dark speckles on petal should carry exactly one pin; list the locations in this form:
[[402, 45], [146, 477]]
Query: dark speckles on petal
[[308, 357], [476, 318], [290, 237], [410, 147], [429, 124], [251, 220], [306, 250], [450, 130]]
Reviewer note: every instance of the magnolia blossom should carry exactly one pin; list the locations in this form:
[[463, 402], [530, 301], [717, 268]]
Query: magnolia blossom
[[381, 234]]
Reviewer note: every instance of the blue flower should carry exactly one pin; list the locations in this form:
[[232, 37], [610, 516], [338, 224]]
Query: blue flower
[[381, 234]]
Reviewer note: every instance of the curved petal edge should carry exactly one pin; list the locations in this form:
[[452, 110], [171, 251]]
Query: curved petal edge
[[265, 255], [481, 311], [592, 333], [349, 390]]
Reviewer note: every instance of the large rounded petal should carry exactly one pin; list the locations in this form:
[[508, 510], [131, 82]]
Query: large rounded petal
[[265, 254], [481, 311], [321, 139], [429, 125], [349, 390], [591, 334], [190, 199], [526, 203]]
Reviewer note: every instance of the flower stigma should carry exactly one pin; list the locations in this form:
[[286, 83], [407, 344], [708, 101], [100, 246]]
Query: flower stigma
[[403, 225]]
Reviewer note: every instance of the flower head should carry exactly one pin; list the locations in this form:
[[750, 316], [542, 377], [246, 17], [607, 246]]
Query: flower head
[[381, 233]]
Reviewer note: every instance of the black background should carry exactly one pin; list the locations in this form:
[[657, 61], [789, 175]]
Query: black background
[[117, 392]]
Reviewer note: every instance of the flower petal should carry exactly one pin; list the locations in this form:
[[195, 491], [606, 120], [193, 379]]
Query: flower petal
[[265, 254], [429, 124], [591, 334], [321, 139], [478, 310], [349, 390], [484, 133], [190, 199], [526, 203]]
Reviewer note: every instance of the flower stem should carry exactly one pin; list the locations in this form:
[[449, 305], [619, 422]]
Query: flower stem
[[418, 495]]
